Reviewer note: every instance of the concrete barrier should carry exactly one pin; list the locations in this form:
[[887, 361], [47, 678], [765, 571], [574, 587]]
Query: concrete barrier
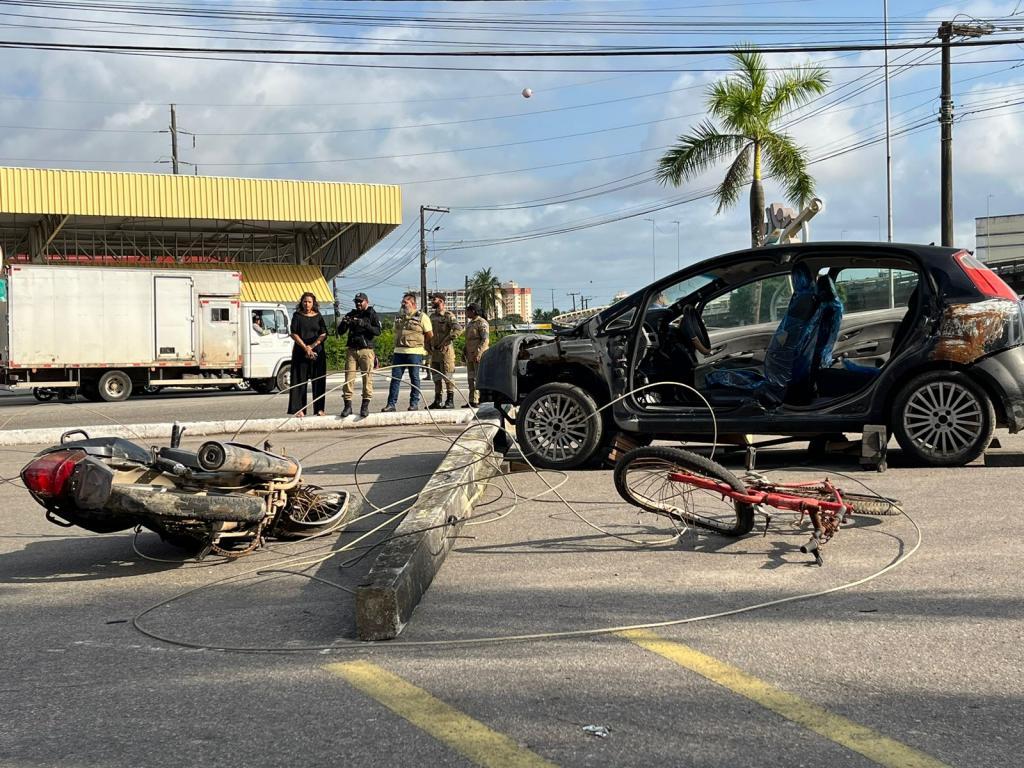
[[407, 563], [51, 435]]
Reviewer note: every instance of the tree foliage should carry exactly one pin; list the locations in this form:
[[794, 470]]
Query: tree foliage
[[749, 105]]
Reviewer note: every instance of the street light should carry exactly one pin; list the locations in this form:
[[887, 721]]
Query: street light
[[878, 221], [654, 269]]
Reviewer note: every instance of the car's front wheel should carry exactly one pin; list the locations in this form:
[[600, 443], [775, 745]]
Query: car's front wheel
[[558, 426], [943, 419]]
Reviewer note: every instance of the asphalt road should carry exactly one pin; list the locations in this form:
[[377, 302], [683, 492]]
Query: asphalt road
[[921, 666], [22, 411]]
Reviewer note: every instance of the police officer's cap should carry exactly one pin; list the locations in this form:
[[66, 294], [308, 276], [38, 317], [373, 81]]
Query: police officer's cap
[[362, 297]]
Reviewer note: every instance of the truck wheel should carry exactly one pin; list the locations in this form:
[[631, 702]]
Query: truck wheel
[[90, 391], [115, 386], [558, 426], [263, 386], [284, 377], [943, 419]]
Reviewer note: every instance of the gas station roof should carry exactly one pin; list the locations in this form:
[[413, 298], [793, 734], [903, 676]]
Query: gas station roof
[[57, 216]]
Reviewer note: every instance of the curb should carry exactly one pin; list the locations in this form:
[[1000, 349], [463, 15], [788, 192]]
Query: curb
[[408, 563], [51, 435]]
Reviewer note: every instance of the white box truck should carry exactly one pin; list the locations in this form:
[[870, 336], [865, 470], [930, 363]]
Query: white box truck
[[109, 332]]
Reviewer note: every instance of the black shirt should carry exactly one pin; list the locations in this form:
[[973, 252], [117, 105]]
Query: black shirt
[[309, 329]]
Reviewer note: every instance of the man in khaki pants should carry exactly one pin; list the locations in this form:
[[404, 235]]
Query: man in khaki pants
[[442, 350], [478, 338], [362, 326]]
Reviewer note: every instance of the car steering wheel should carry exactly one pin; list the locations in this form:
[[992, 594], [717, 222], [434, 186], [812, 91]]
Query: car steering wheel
[[693, 327]]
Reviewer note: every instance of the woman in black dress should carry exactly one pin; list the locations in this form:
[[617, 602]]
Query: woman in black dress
[[308, 358]]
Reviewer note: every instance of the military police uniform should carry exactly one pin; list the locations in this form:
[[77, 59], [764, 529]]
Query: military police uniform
[[442, 355], [478, 338]]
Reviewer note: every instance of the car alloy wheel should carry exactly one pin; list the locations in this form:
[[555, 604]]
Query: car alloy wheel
[[558, 426], [944, 419]]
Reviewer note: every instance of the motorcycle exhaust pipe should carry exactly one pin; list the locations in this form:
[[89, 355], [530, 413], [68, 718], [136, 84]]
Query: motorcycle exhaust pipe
[[215, 456], [168, 504]]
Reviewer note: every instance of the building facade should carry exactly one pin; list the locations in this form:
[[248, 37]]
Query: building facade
[[516, 300], [999, 238]]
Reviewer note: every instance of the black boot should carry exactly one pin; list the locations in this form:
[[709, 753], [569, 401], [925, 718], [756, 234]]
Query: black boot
[[347, 410], [436, 404], [365, 410], [450, 402]]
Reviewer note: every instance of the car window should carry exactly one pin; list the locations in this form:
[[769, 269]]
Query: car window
[[865, 289], [673, 293], [271, 320], [760, 301]]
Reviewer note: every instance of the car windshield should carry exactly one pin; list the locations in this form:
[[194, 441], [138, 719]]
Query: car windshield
[[673, 293]]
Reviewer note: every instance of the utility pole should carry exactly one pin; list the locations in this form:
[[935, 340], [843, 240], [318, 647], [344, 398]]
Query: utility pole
[[888, 146], [574, 295], [423, 250], [174, 140], [552, 299], [947, 30]]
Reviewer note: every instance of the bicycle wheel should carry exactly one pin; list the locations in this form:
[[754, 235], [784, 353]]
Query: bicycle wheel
[[860, 503], [642, 478]]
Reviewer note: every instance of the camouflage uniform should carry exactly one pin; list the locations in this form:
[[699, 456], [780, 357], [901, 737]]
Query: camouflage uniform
[[442, 352], [478, 338]]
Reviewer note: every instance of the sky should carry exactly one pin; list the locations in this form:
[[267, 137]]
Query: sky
[[555, 192]]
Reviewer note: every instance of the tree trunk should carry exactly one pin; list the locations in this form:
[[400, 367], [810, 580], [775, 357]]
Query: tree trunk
[[757, 223], [756, 202]]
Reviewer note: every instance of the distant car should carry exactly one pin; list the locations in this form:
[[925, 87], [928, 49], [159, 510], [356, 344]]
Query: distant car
[[802, 340]]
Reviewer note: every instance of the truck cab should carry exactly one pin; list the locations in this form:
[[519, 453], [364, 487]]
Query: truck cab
[[267, 345]]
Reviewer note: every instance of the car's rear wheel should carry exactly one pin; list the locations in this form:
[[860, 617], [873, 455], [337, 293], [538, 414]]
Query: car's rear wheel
[[943, 419], [558, 426]]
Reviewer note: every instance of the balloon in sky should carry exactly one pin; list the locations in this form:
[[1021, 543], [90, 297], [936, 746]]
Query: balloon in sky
[[527, 93]]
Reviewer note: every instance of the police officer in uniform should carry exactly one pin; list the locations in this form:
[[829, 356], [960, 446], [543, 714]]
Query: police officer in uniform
[[413, 334], [363, 327], [442, 350], [478, 338]]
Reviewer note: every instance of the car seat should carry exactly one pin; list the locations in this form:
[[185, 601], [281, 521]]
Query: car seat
[[788, 359], [830, 322]]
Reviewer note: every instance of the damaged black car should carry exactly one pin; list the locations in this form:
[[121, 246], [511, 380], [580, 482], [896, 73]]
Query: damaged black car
[[803, 341]]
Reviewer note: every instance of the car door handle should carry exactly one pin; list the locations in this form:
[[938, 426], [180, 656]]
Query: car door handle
[[849, 335]]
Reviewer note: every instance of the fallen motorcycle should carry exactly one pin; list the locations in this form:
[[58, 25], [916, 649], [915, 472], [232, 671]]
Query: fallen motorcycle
[[226, 497]]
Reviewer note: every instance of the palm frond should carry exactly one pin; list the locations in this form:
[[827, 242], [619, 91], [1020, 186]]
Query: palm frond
[[752, 70], [788, 164], [731, 188], [794, 89], [696, 153]]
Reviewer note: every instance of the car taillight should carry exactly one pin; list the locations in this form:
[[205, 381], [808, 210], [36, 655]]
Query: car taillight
[[47, 476], [984, 279]]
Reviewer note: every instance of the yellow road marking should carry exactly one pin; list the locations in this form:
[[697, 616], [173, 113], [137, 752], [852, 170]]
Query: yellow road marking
[[446, 724], [875, 747]]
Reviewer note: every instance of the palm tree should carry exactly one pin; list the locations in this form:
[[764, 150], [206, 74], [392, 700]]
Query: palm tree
[[482, 290], [749, 105]]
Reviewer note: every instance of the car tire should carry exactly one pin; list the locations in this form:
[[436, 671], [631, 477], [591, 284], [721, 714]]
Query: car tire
[[283, 381], [943, 419], [115, 386], [558, 427]]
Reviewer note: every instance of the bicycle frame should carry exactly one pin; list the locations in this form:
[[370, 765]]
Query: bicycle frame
[[826, 516]]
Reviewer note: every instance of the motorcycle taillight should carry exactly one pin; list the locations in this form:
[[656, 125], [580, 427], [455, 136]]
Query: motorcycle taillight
[[47, 477]]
